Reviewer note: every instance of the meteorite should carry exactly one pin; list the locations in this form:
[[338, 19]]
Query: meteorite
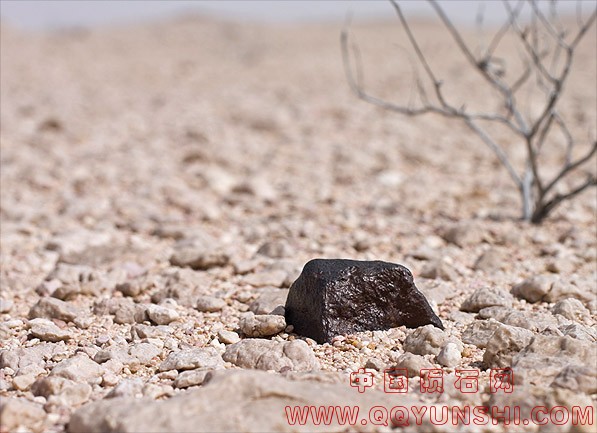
[[336, 297]]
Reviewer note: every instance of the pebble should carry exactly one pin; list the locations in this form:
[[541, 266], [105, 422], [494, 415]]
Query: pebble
[[5, 305], [79, 368], [486, 297], [503, 344], [274, 278], [412, 363], [189, 359], [52, 308], [268, 300], [190, 378], [144, 352], [263, 325], [572, 309], [198, 253], [210, 304], [161, 315], [228, 337], [46, 330], [62, 392], [490, 261], [426, 340], [450, 355], [18, 414], [271, 355], [439, 269]]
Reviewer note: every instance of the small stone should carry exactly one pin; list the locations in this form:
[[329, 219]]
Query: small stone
[[479, 332], [463, 234], [505, 342], [18, 414], [228, 337], [210, 304], [412, 363], [375, 364], [161, 315], [450, 355], [144, 352], [546, 356], [263, 325], [271, 355], [491, 260], [268, 300], [336, 297], [140, 331], [190, 378], [23, 382], [439, 268], [5, 305], [119, 354], [198, 253], [190, 359], [274, 278], [533, 289], [79, 368], [578, 378], [46, 330], [425, 340], [84, 322], [62, 392], [52, 308], [572, 309], [274, 249], [486, 297], [131, 388]]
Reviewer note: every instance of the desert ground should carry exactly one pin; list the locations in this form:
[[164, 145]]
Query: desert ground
[[163, 183]]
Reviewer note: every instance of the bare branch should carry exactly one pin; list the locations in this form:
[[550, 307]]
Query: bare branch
[[570, 167], [541, 212]]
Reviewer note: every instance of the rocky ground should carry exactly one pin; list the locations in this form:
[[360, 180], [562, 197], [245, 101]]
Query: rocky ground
[[163, 185]]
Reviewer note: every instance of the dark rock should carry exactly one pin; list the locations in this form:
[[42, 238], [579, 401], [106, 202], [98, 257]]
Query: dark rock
[[333, 297]]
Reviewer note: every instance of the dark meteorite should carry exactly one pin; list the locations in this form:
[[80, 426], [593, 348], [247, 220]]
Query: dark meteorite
[[335, 297]]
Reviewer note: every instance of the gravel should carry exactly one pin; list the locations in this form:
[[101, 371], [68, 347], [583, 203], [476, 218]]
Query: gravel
[[151, 200]]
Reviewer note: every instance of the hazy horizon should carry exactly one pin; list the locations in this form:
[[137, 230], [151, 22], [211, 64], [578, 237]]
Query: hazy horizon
[[54, 14]]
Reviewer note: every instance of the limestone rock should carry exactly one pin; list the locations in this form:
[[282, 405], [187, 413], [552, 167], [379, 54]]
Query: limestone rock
[[504, 344], [271, 355], [479, 332], [545, 357], [228, 337], [249, 401], [161, 315], [189, 359], [268, 300], [450, 355], [412, 363], [426, 340], [198, 253], [62, 392], [263, 325], [19, 414], [571, 309], [209, 304], [335, 297], [486, 297], [46, 330], [191, 378], [79, 368], [52, 308]]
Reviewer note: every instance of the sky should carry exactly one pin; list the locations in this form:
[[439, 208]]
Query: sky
[[55, 14]]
